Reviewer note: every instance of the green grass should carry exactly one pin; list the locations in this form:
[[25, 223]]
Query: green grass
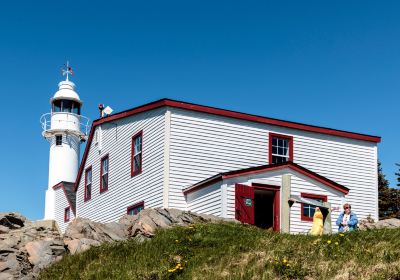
[[234, 251]]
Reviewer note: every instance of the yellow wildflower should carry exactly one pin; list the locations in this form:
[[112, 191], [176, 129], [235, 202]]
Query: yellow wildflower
[[177, 241], [284, 261], [329, 242], [341, 234], [336, 243]]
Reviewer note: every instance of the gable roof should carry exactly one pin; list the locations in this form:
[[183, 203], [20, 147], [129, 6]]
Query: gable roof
[[265, 168], [218, 112], [69, 193]]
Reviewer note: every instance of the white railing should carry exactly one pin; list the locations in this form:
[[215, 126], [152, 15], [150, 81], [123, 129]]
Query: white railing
[[84, 122]]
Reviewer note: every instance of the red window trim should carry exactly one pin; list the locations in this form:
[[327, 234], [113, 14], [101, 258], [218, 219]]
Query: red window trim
[[136, 172], [141, 203], [101, 173], [65, 214], [283, 136], [86, 198], [310, 195]]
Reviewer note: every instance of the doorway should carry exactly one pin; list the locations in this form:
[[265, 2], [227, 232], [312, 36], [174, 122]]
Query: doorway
[[264, 208], [258, 205]]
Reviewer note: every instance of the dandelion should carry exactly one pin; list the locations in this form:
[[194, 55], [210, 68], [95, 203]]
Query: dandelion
[[329, 242], [341, 234], [284, 261], [177, 241], [336, 243]]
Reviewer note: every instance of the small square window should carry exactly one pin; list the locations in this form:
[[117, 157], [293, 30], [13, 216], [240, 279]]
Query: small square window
[[58, 140], [307, 210], [135, 209]]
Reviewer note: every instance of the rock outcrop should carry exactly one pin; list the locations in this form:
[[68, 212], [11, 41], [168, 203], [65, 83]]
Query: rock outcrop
[[387, 223], [27, 247]]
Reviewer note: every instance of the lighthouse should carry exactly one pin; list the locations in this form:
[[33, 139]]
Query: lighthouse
[[65, 129]]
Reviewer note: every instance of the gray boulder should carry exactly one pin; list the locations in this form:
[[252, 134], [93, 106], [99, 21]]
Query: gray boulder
[[371, 224], [12, 220]]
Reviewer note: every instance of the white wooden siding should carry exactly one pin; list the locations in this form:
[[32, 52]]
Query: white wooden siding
[[123, 190], [207, 200], [299, 184], [60, 205], [202, 145], [210, 201]]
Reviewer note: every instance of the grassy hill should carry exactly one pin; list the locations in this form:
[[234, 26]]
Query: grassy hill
[[234, 251]]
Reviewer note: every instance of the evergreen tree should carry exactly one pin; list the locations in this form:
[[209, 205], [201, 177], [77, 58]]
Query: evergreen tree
[[398, 175], [384, 193]]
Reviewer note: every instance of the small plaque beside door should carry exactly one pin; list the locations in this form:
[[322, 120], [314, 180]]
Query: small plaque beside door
[[248, 202]]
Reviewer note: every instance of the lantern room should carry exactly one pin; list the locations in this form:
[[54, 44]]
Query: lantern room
[[66, 99]]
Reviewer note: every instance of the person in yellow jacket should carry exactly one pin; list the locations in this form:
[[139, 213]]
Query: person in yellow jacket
[[318, 223]]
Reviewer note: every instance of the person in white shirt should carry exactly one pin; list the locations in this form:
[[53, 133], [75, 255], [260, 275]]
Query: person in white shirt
[[347, 220]]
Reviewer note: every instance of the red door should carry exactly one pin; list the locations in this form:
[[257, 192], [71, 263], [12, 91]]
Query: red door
[[244, 204]]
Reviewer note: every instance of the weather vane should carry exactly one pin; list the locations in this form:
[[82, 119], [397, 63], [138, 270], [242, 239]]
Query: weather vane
[[67, 70]]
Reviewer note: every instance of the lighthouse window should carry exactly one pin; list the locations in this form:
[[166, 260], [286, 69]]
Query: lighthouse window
[[104, 174], [136, 161], [88, 184], [67, 106], [58, 140], [57, 106], [76, 108]]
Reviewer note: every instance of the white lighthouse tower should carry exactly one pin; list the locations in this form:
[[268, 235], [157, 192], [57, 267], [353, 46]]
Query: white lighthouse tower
[[65, 129]]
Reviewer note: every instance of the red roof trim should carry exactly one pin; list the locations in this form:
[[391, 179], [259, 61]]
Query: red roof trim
[[267, 168], [219, 112], [61, 185]]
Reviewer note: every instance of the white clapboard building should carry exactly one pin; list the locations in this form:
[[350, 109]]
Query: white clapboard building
[[172, 154]]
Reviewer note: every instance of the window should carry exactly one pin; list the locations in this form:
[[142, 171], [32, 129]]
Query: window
[[76, 108], [67, 106], [58, 140], [57, 106], [135, 209], [280, 148], [67, 214], [88, 183], [137, 155], [104, 174], [307, 210]]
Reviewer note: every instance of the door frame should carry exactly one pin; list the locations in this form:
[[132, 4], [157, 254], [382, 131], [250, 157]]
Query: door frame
[[277, 202]]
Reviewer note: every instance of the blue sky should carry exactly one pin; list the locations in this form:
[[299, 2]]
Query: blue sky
[[332, 64]]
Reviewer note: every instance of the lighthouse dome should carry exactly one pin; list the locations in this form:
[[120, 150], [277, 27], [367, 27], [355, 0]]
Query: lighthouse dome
[[66, 90]]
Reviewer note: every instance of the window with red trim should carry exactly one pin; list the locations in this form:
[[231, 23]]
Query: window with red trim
[[307, 210], [67, 214], [104, 165], [280, 148], [137, 154], [88, 184], [135, 209]]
